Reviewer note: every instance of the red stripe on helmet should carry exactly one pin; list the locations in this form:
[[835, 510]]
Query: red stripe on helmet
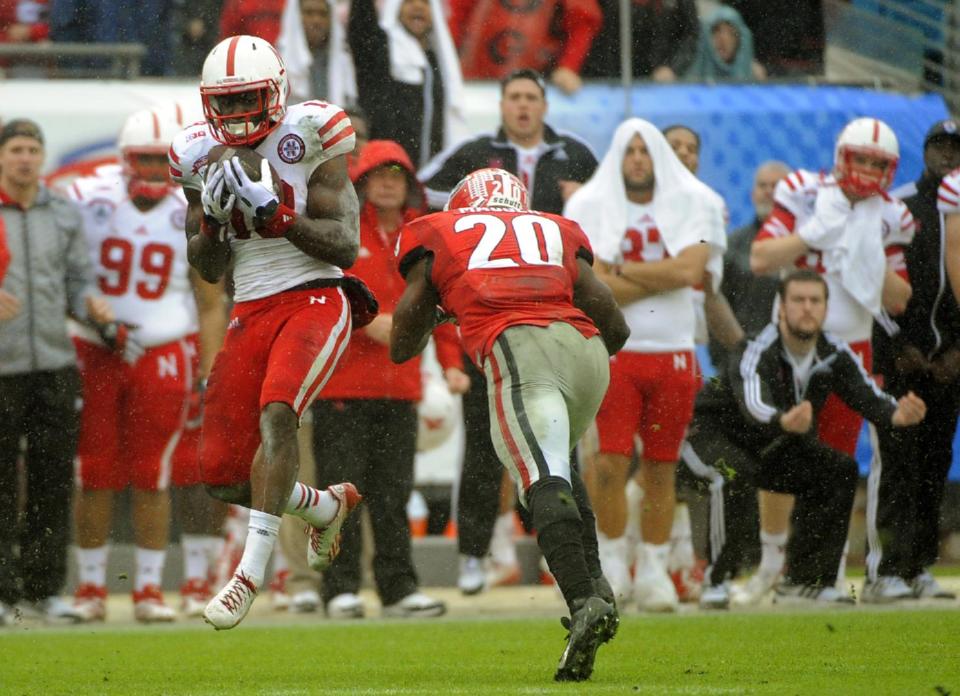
[[232, 55], [876, 131], [179, 115], [156, 125]]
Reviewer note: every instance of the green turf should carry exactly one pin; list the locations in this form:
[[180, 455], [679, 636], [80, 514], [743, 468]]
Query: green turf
[[846, 652]]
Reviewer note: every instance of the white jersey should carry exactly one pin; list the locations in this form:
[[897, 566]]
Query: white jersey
[[948, 195], [139, 259], [310, 134], [664, 322], [795, 199]]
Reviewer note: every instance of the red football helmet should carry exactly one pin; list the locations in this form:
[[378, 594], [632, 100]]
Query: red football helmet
[[866, 157], [489, 188], [244, 90], [144, 139]]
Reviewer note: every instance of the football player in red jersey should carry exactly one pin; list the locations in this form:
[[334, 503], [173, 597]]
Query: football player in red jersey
[[541, 326], [288, 241]]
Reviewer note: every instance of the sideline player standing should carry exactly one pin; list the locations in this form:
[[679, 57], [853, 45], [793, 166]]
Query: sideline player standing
[[846, 227], [657, 232], [292, 317], [136, 380], [529, 307]]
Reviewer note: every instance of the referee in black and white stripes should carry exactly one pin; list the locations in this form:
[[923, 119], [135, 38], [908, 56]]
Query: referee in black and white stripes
[[754, 427]]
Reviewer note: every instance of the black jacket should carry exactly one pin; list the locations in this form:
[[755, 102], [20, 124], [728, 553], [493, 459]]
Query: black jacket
[[395, 109], [745, 401], [567, 157], [931, 321]]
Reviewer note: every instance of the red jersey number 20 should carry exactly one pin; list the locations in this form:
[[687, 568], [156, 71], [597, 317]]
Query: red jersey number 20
[[538, 241]]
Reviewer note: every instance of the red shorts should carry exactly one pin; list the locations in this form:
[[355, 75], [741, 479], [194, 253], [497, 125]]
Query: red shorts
[[281, 348], [650, 395], [132, 416], [838, 425], [186, 458]]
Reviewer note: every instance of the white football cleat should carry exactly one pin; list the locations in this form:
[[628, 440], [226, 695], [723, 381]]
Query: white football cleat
[[925, 586], [232, 603], [305, 601], [757, 587], [149, 607], [345, 606], [472, 578], [89, 604], [715, 596], [323, 543], [194, 595], [653, 590]]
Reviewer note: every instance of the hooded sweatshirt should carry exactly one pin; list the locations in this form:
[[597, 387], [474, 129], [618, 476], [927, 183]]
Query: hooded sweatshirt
[[366, 371], [707, 65]]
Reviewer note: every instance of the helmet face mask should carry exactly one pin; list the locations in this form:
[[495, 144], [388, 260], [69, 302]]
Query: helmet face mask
[[144, 139], [866, 158], [243, 90], [489, 188]]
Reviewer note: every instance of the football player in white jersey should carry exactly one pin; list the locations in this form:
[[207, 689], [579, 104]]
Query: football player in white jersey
[[288, 242], [138, 372], [821, 221]]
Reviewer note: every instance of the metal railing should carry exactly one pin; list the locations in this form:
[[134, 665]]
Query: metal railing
[[91, 60]]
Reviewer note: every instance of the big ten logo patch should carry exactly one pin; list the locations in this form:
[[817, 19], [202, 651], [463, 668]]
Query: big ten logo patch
[[291, 148], [101, 210], [178, 219]]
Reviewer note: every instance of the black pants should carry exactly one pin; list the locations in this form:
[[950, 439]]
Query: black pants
[[822, 479], [43, 408], [371, 443], [905, 488], [478, 499]]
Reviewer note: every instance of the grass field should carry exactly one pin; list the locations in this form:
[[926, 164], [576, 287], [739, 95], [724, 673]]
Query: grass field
[[840, 652]]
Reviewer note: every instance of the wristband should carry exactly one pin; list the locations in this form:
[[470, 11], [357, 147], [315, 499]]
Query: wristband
[[279, 223], [210, 228]]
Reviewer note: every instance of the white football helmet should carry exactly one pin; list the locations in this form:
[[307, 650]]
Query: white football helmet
[[435, 414], [144, 140], [244, 89], [869, 137]]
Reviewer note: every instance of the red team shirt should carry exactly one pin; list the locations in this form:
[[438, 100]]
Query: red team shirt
[[494, 269]]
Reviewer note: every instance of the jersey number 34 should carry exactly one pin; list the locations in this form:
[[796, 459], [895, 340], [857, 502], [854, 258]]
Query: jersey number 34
[[538, 241]]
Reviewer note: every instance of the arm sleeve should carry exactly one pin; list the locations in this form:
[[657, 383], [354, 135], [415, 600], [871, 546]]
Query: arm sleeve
[[751, 387], [581, 22], [444, 171], [79, 273], [858, 390], [449, 352]]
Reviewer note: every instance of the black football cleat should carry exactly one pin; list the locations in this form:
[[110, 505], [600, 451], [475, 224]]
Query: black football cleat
[[592, 623]]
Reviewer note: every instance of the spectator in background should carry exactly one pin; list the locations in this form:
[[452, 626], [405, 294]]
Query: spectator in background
[[252, 17], [725, 50], [664, 40], [910, 466], [48, 277], [313, 47], [365, 423], [408, 75], [147, 22], [195, 26], [789, 37], [23, 21], [750, 296], [496, 38], [551, 165]]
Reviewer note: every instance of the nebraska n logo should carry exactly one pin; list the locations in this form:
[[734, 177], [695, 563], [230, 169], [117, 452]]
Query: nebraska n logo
[[318, 300], [679, 361]]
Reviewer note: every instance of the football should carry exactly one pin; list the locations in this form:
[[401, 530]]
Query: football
[[249, 160]]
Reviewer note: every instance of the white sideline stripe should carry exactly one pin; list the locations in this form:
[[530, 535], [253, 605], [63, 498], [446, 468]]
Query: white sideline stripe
[[751, 380], [321, 360], [875, 552], [718, 527]]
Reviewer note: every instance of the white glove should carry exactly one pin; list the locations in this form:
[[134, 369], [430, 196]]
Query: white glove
[[258, 199], [212, 193]]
